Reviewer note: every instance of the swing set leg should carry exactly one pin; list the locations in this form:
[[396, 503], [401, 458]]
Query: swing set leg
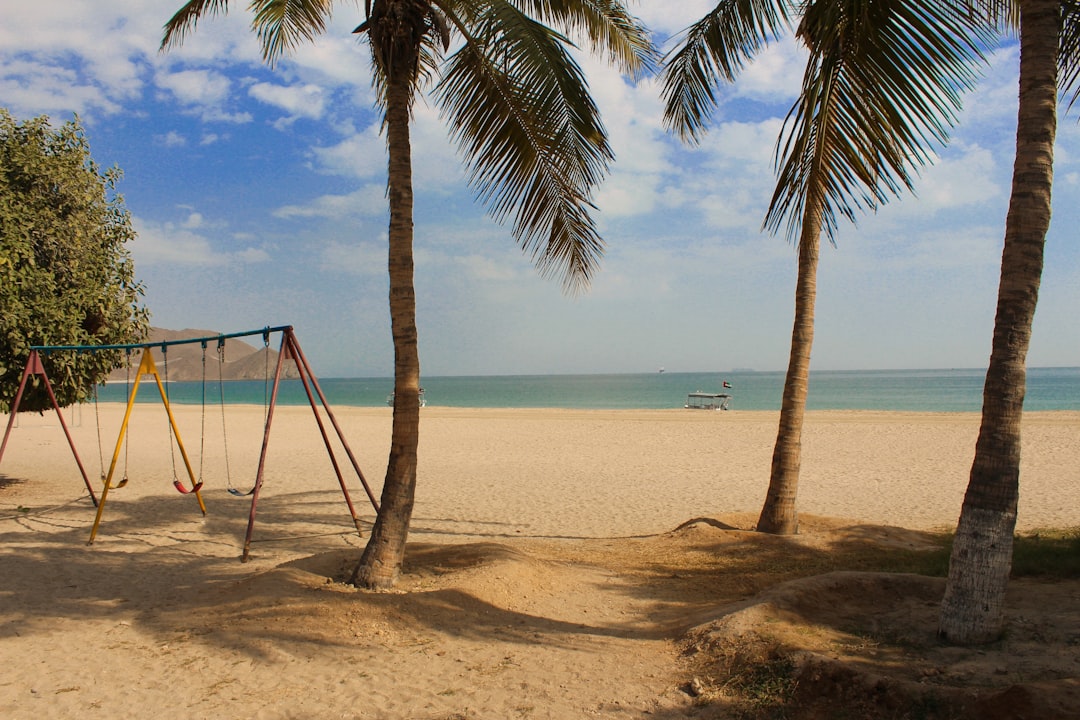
[[290, 348], [34, 366], [146, 367]]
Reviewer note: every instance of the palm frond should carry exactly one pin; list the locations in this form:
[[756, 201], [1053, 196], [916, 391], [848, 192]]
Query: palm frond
[[606, 24], [1069, 56], [518, 106], [714, 50], [183, 22], [882, 87], [1003, 15], [281, 25]]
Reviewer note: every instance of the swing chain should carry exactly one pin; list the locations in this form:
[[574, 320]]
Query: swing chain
[[266, 375], [97, 424], [221, 397], [127, 435], [172, 452], [202, 419]]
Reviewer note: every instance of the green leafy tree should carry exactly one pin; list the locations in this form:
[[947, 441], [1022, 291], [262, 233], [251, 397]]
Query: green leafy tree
[[973, 607], [882, 85], [519, 108], [66, 276]]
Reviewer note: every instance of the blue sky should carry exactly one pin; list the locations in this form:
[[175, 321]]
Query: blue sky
[[258, 197]]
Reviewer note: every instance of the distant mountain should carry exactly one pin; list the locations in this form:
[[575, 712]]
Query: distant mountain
[[243, 361]]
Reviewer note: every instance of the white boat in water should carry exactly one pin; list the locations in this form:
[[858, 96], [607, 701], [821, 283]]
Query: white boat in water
[[708, 401]]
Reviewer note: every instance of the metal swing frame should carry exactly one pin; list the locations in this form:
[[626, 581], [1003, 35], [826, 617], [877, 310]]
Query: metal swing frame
[[289, 349], [34, 368], [147, 366]]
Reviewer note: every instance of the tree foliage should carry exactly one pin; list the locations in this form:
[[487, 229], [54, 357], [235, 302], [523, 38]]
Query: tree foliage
[[66, 276]]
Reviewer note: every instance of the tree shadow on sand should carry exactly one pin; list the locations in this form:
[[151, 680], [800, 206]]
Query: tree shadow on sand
[[848, 633]]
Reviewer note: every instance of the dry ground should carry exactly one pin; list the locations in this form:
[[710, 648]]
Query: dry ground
[[557, 569], [707, 621]]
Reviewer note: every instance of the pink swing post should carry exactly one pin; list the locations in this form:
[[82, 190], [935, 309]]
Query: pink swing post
[[34, 366], [290, 349]]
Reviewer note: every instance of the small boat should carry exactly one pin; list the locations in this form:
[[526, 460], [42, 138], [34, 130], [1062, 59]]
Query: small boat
[[708, 401], [390, 399]]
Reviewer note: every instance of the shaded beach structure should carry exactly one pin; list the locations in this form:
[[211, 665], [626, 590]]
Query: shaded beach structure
[[708, 401]]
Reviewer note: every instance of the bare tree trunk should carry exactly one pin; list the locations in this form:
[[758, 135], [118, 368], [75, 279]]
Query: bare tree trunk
[[973, 608], [779, 514], [380, 565]]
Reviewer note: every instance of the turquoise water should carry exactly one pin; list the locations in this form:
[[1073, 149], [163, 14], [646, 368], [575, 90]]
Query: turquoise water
[[914, 390]]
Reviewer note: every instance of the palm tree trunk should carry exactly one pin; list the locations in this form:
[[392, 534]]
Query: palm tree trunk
[[973, 608], [381, 562], [779, 515]]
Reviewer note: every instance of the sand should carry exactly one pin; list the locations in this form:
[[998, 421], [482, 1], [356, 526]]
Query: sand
[[546, 575]]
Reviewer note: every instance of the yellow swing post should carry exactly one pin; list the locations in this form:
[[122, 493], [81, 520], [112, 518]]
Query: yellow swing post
[[146, 367]]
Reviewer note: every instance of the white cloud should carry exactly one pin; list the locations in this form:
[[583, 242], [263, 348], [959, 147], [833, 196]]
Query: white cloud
[[305, 100], [171, 139], [338, 60], [41, 87], [631, 114], [205, 93], [993, 103], [251, 256], [166, 243], [195, 87], [368, 200], [966, 176], [743, 146], [669, 18], [60, 57], [774, 74], [362, 155], [217, 40], [437, 165]]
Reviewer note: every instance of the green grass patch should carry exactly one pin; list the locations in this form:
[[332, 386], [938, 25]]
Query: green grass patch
[[1053, 554]]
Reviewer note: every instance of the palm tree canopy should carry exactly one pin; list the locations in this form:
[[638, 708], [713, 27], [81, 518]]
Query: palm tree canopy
[[715, 48], [882, 85], [514, 97]]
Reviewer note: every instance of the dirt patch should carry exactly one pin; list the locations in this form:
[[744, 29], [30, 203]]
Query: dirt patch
[[710, 620], [856, 644]]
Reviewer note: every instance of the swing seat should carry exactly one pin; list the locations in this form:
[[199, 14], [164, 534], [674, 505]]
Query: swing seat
[[183, 490], [120, 484], [240, 493]]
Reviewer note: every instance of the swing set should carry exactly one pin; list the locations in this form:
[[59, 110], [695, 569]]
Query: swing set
[[290, 349]]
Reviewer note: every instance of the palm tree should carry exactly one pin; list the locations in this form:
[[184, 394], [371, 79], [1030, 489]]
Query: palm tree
[[518, 106], [973, 608], [881, 86]]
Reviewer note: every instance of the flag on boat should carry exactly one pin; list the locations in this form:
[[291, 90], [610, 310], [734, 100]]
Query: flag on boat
[[727, 384]]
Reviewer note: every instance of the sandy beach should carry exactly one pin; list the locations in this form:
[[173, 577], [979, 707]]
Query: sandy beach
[[518, 600]]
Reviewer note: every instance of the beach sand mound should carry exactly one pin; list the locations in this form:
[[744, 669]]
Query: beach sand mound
[[698, 622], [858, 644], [594, 620]]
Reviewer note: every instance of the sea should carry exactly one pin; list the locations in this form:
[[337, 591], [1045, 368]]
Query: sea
[[947, 390]]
